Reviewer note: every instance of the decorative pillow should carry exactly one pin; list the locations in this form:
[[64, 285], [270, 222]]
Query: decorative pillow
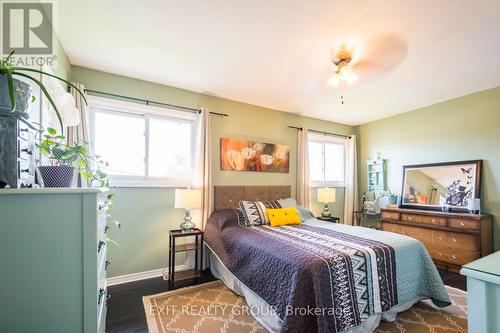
[[255, 211], [305, 214], [283, 216], [241, 217], [288, 202]]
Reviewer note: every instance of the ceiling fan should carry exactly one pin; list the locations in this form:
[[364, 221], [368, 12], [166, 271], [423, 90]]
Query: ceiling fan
[[377, 56], [344, 57]]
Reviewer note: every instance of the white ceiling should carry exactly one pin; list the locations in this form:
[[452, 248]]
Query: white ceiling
[[276, 53]]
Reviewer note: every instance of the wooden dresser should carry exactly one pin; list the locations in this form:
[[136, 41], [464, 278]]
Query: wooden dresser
[[452, 239]]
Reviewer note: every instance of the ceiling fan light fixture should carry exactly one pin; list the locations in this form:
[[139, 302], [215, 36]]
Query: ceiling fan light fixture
[[343, 70], [334, 80]]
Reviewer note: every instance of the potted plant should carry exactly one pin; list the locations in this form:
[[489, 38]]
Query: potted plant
[[392, 198], [62, 161], [17, 92]]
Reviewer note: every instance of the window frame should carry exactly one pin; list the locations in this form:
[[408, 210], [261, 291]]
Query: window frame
[[146, 112], [323, 138]]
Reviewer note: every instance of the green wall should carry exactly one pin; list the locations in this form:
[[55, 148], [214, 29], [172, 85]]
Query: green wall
[[465, 128], [147, 213]]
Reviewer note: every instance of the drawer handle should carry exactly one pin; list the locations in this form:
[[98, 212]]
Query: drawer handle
[[441, 237], [106, 228], [454, 256], [27, 151], [454, 240], [230, 200], [462, 224], [107, 264], [25, 170], [101, 294], [24, 130], [440, 253], [409, 218], [433, 220], [100, 245]]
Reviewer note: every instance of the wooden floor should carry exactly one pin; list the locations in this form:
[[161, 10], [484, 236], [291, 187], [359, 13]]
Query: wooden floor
[[126, 311]]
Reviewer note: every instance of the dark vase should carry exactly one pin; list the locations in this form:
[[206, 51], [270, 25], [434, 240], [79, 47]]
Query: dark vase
[[22, 91], [57, 176]]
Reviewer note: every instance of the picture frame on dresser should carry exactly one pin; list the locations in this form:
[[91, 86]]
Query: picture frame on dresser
[[445, 186]]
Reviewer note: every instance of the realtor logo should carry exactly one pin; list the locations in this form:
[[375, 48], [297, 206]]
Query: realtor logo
[[27, 28]]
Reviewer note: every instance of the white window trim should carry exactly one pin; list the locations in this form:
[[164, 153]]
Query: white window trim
[[147, 112], [328, 138]]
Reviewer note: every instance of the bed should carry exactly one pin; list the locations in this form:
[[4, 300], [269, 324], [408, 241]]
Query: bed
[[317, 276]]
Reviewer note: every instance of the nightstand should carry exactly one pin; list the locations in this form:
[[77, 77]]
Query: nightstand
[[173, 248], [332, 219]]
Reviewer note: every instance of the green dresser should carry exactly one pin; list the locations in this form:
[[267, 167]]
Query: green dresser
[[53, 259], [483, 294]]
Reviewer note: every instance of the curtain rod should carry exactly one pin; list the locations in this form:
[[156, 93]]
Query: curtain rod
[[320, 132], [148, 102]]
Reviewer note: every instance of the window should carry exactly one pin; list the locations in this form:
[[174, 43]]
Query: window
[[144, 145], [326, 160]]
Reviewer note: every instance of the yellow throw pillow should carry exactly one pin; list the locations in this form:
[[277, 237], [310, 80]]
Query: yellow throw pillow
[[283, 216]]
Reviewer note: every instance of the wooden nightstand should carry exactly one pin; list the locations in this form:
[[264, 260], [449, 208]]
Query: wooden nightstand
[[332, 219], [173, 248]]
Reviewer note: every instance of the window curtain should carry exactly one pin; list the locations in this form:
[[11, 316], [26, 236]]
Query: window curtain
[[80, 132], [203, 165], [351, 182], [303, 197]]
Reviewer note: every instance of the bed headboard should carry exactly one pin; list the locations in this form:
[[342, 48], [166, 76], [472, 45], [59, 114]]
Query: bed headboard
[[230, 196]]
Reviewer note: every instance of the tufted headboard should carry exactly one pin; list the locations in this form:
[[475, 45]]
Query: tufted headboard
[[230, 196]]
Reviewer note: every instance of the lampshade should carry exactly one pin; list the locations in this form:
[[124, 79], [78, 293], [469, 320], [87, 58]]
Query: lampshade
[[67, 107], [187, 198], [326, 195]]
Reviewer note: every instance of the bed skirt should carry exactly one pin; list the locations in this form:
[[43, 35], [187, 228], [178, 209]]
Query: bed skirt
[[268, 318]]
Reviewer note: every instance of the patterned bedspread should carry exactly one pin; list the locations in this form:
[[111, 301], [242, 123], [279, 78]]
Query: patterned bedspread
[[314, 276]]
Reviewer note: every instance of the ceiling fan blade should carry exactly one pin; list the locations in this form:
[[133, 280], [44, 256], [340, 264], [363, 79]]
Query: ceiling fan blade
[[381, 55]]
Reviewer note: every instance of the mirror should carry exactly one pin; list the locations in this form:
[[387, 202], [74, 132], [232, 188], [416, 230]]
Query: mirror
[[434, 186]]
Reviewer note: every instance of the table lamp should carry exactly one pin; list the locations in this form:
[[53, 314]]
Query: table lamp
[[187, 199], [326, 195]]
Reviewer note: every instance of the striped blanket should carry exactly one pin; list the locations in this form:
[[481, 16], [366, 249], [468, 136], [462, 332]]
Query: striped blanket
[[314, 277], [361, 274]]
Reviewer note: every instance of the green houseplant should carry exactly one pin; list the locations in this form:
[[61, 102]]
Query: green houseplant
[[63, 160], [8, 72]]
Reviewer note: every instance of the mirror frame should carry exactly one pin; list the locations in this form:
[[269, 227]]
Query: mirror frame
[[477, 185]]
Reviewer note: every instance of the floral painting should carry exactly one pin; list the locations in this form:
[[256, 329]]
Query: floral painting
[[243, 155]]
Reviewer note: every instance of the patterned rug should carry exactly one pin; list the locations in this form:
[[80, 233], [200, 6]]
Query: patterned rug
[[212, 307]]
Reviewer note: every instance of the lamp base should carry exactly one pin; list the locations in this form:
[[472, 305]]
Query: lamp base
[[326, 211], [187, 225]]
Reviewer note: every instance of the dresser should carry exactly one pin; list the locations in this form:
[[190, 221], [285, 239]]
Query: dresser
[[483, 294], [452, 239], [53, 255]]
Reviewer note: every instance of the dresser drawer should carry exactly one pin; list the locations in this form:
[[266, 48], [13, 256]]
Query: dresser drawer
[[101, 317], [454, 240], [390, 216], [463, 224], [411, 218], [452, 256], [441, 221], [101, 267], [423, 235]]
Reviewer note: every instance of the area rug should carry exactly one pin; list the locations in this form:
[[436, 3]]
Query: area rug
[[212, 307]]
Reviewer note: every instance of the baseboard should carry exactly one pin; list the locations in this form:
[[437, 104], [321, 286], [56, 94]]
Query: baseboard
[[141, 275]]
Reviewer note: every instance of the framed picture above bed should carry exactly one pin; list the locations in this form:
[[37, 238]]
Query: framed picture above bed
[[245, 155], [451, 185]]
